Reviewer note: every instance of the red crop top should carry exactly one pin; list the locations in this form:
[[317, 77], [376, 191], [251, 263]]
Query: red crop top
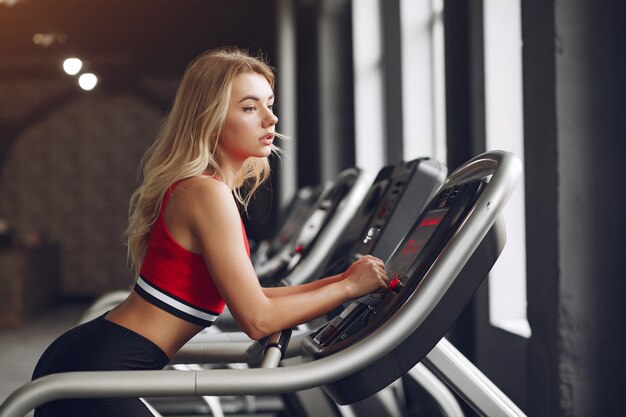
[[176, 279]]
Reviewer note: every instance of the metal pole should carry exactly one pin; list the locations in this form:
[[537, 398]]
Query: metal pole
[[469, 382]]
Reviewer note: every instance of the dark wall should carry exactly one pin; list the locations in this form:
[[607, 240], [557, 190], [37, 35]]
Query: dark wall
[[325, 137], [308, 146], [540, 131], [589, 55]]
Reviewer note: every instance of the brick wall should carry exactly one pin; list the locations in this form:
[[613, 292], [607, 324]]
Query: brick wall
[[68, 178]]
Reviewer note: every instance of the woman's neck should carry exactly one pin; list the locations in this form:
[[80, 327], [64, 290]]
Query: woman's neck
[[230, 172]]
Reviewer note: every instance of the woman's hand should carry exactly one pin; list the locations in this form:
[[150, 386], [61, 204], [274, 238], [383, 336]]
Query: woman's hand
[[365, 276]]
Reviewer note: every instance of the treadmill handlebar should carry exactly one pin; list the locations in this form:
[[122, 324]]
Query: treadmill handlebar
[[279, 341], [275, 348], [505, 170], [237, 351]]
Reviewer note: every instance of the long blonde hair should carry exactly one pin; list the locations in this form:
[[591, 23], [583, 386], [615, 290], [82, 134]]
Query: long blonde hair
[[187, 144]]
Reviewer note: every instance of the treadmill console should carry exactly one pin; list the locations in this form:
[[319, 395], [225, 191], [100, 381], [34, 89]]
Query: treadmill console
[[397, 199], [398, 181], [406, 269]]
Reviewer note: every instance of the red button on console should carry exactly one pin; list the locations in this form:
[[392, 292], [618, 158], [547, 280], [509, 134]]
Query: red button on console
[[395, 285]]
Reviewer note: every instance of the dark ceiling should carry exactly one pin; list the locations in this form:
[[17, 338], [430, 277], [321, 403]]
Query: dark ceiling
[[128, 39]]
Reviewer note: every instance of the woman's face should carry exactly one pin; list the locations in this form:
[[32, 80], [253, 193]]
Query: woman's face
[[250, 121]]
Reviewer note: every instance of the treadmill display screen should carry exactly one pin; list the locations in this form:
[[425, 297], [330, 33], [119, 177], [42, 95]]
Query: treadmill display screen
[[399, 264]]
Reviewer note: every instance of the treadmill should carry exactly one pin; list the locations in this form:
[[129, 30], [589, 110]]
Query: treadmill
[[290, 221], [375, 340], [391, 201], [325, 223]]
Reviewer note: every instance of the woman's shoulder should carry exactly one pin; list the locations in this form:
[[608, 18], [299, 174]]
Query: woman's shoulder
[[204, 183], [203, 193]]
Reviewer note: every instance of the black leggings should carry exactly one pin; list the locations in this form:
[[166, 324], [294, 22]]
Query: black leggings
[[99, 345]]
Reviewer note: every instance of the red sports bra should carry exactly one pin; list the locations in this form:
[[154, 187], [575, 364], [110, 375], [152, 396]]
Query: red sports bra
[[176, 279]]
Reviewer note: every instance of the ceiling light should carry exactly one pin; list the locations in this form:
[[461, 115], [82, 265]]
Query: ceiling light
[[87, 81], [43, 39], [72, 66], [9, 3], [47, 39]]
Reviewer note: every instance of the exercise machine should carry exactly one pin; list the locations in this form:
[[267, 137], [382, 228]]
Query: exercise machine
[[326, 222], [397, 197], [375, 340]]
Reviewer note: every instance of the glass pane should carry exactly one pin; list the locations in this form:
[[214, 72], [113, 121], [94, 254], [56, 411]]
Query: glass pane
[[504, 125]]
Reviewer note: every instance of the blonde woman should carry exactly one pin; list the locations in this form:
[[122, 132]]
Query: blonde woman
[[187, 242]]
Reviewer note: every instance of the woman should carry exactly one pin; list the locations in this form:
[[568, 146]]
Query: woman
[[187, 242]]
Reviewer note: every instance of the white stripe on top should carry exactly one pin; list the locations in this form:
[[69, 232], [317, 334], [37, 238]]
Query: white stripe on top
[[173, 302]]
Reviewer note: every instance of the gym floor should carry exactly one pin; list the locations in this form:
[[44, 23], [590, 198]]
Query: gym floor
[[21, 347]]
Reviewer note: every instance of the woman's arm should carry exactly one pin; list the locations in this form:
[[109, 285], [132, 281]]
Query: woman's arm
[[302, 288], [212, 216]]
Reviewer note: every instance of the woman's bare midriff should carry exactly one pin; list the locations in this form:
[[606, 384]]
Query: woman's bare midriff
[[165, 330]]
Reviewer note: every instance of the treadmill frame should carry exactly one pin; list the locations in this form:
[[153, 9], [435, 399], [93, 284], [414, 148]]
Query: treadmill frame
[[505, 170]]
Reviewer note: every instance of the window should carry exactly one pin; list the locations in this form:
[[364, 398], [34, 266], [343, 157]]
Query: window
[[423, 79], [369, 97], [504, 127]]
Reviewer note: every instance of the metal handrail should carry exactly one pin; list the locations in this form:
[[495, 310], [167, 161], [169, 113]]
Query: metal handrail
[[469, 382]]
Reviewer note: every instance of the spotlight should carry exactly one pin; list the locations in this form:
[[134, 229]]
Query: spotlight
[[47, 39], [43, 39], [87, 81], [72, 66]]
